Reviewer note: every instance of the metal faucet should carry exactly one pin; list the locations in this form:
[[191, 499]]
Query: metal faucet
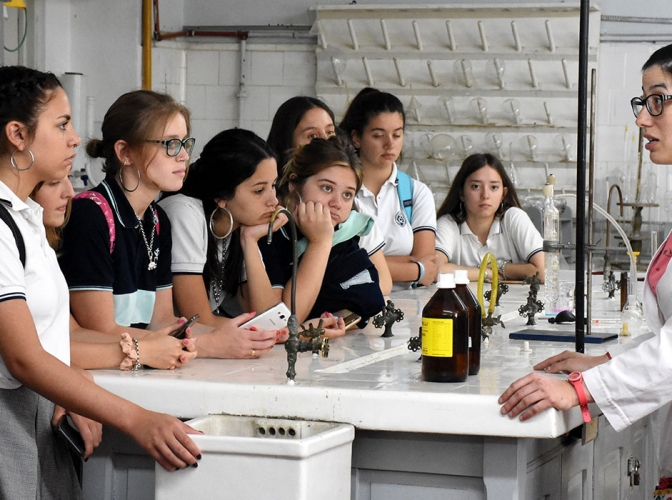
[[294, 344]]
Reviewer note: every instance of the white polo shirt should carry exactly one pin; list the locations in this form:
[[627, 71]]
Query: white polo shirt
[[373, 241], [189, 230], [41, 284], [513, 238], [390, 217]]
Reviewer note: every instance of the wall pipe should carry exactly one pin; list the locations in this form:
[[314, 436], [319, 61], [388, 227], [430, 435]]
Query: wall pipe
[[241, 95], [158, 35], [161, 35], [147, 42]]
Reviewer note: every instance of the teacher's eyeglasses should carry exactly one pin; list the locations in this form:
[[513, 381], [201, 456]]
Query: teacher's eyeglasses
[[174, 146], [654, 104]]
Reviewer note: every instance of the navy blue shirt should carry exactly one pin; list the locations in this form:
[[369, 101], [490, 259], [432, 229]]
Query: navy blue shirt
[[350, 278], [87, 263]]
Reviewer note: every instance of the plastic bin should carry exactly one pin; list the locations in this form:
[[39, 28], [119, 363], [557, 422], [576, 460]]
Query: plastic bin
[[263, 458]]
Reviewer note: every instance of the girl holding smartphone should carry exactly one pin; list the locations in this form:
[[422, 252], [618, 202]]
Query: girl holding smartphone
[[217, 220], [127, 286], [90, 349], [37, 144]]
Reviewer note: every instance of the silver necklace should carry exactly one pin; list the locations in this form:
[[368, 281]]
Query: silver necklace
[[149, 245], [218, 281]]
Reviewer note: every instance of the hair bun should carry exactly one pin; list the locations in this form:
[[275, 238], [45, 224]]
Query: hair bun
[[94, 148]]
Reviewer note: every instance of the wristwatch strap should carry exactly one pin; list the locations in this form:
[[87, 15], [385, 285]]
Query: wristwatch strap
[[576, 379]]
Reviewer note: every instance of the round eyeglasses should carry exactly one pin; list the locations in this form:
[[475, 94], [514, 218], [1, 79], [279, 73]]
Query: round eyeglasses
[[174, 146], [654, 104]]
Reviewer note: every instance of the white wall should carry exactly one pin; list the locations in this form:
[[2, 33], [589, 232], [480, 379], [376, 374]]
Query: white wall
[[103, 41]]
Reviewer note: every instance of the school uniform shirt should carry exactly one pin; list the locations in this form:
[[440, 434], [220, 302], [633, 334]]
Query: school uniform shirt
[[40, 283], [87, 263], [390, 217], [373, 241], [638, 380], [350, 278], [513, 237], [189, 234]]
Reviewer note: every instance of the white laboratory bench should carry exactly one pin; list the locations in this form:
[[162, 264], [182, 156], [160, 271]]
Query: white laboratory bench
[[413, 439]]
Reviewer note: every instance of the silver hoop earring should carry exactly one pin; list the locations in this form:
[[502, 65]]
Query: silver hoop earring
[[121, 180], [11, 160], [212, 223]]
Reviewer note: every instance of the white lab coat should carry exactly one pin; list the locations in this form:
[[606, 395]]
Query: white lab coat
[[638, 380]]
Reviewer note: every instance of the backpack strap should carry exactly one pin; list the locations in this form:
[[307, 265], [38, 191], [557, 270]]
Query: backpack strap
[[405, 191], [9, 220], [102, 202]]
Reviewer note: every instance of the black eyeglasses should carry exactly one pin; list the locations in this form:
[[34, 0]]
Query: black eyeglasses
[[654, 104], [174, 146]]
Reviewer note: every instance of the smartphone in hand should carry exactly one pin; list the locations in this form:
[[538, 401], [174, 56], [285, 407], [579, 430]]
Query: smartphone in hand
[[349, 318], [273, 318], [181, 332], [71, 435]]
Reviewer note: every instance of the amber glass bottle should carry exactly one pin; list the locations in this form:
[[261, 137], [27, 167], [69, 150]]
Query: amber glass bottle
[[445, 335], [469, 299]]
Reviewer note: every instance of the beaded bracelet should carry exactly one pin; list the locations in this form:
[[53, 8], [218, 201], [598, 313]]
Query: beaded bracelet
[[137, 365], [502, 270]]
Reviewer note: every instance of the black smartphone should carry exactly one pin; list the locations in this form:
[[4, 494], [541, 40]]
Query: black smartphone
[[71, 435], [350, 318], [181, 332]]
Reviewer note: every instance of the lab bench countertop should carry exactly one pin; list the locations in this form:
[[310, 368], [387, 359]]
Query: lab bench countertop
[[371, 382]]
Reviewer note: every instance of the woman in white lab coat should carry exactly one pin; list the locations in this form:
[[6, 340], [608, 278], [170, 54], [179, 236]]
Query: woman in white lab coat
[[638, 381]]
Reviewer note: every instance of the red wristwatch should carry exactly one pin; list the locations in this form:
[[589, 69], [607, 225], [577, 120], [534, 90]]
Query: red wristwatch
[[576, 379]]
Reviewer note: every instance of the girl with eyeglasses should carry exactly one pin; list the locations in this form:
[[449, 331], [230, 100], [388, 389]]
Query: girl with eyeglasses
[[90, 349], [637, 381], [37, 385], [116, 253]]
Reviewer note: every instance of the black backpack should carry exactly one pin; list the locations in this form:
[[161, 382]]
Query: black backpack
[[9, 220]]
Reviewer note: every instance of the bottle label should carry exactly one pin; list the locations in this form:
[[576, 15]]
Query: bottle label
[[437, 337]]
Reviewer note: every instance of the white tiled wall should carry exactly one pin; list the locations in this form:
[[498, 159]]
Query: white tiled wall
[[275, 72], [272, 74]]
